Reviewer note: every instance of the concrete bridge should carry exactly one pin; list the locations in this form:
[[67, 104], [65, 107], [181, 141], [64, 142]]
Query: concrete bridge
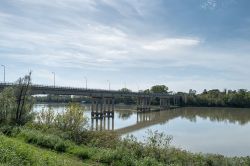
[[103, 101]]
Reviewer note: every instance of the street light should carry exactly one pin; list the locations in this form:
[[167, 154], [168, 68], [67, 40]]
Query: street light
[[109, 84], [3, 73], [54, 79], [86, 82]]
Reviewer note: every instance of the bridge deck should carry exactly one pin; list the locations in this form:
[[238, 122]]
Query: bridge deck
[[59, 90]]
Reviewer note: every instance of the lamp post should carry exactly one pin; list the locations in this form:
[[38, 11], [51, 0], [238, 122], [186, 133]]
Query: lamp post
[[3, 73], [54, 79], [109, 84], [86, 82]]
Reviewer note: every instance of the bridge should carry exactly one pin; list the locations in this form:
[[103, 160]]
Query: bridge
[[103, 101]]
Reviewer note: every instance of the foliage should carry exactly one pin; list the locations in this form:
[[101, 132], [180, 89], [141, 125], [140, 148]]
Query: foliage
[[7, 105], [157, 143], [102, 139], [159, 89], [15, 153], [72, 120], [158, 140], [128, 152], [16, 104], [217, 98], [23, 100], [47, 141], [46, 117]]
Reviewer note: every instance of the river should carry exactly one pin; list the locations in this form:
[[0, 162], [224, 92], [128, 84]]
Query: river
[[223, 131]]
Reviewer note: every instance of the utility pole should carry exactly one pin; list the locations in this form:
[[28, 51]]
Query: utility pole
[[3, 73], [54, 79], [86, 82]]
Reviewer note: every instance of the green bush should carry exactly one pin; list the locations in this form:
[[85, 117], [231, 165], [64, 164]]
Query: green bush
[[16, 153], [127, 152], [105, 156], [55, 143], [147, 161], [82, 152], [47, 141]]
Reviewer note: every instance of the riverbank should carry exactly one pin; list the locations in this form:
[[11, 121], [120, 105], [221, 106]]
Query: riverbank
[[36, 145]]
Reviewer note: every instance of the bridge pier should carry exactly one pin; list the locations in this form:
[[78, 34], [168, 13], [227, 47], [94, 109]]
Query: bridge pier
[[165, 103], [102, 107], [143, 104], [177, 100], [102, 124]]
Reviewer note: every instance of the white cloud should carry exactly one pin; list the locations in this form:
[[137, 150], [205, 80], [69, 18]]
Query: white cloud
[[71, 34], [173, 44], [209, 4]]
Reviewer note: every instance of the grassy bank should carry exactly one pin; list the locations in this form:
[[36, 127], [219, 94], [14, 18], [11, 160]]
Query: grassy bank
[[29, 146], [15, 153]]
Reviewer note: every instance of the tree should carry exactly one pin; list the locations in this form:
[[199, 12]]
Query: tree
[[125, 90], [159, 89], [15, 102], [23, 98], [192, 92], [7, 105], [127, 100]]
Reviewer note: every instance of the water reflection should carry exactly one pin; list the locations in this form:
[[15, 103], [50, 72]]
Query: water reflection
[[229, 115], [106, 123], [196, 129], [124, 115]]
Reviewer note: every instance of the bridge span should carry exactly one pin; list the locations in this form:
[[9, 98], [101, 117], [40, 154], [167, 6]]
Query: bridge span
[[103, 101]]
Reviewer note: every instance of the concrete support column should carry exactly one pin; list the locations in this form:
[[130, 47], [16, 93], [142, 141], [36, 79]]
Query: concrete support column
[[143, 104], [102, 107]]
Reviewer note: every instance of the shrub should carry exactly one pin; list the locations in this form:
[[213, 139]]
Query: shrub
[[15, 153], [72, 121], [147, 161], [102, 139], [10, 130], [105, 156], [47, 141], [82, 152], [46, 117]]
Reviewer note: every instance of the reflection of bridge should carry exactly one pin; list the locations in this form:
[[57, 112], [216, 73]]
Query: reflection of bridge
[[148, 119], [103, 101], [105, 123], [230, 115]]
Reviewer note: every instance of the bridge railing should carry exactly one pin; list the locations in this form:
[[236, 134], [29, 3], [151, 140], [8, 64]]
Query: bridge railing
[[38, 86]]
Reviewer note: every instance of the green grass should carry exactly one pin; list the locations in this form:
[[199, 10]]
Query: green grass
[[56, 150], [16, 153]]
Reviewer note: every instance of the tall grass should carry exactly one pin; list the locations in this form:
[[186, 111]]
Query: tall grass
[[16, 153], [127, 152]]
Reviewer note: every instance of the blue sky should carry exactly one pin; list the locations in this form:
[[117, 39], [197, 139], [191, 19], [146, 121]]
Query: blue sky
[[184, 44]]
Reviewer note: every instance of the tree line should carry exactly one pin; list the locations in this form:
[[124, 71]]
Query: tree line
[[217, 98]]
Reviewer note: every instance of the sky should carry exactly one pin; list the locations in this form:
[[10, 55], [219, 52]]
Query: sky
[[183, 44]]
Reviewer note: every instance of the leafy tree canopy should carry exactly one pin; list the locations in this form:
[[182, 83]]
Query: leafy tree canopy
[[159, 89]]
